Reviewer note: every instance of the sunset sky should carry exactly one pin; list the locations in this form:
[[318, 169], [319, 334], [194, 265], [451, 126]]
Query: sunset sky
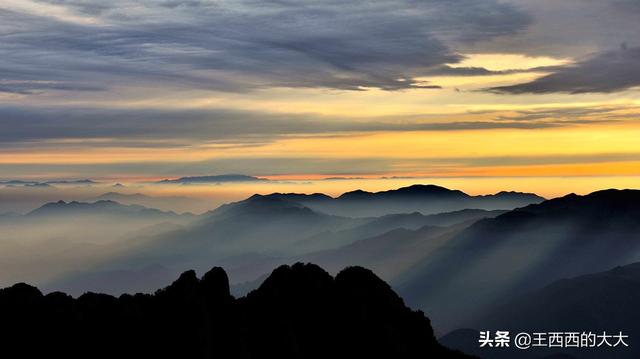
[[294, 90]]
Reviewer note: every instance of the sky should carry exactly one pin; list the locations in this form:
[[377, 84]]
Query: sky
[[497, 91]]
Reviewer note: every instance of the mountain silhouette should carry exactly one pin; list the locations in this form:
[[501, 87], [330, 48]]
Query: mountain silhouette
[[299, 311], [380, 225], [426, 199], [213, 179], [165, 203], [524, 249], [269, 231], [101, 208]]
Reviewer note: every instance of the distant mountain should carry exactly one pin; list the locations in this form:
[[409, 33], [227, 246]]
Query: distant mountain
[[298, 312], [495, 259], [271, 230], [44, 183], [82, 181], [605, 301], [388, 254], [165, 203], [388, 245], [38, 185], [214, 179], [379, 225], [101, 208], [426, 199], [258, 224]]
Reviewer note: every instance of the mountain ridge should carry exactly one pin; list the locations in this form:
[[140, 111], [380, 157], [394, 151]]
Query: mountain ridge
[[300, 311]]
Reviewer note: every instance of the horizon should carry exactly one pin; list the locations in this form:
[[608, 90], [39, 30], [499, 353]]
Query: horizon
[[213, 195]]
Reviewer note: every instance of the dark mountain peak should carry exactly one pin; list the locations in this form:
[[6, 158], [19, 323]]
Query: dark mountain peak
[[91, 299], [186, 279], [215, 283], [428, 189], [606, 202], [617, 195], [516, 195], [413, 192], [259, 204], [293, 281], [357, 194], [299, 312], [269, 203], [362, 285], [186, 286], [20, 292]]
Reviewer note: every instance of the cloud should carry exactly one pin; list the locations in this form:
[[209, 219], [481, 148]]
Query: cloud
[[566, 29], [243, 45], [589, 114], [150, 128], [604, 72]]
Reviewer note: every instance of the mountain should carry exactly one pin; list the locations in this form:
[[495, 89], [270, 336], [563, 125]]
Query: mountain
[[81, 181], [388, 245], [64, 238], [42, 183], [252, 236], [298, 312], [38, 185], [101, 208], [605, 301], [379, 225], [495, 259], [259, 224], [165, 203], [213, 179], [388, 254], [426, 199]]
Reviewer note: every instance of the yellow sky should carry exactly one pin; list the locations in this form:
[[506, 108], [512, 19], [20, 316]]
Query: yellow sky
[[600, 139]]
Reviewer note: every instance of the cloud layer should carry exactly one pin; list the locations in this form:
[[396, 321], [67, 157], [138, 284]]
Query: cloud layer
[[51, 126], [608, 71], [240, 45]]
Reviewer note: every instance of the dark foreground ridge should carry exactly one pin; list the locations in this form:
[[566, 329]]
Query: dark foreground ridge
[[300, 311]]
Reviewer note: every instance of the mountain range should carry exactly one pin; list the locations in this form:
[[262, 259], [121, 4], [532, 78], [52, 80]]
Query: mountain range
[[524, 249], [462, 267], [426, 199], [299, 311], [212, 179], [272, 230]]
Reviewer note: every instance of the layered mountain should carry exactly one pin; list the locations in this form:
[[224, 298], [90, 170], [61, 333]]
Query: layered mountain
[[263, 225], [252, 236], [165, 203], [298, 312], [426, 199], [600, 302], [380, 225], [496, 259], [60, 238], [105, 208]]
